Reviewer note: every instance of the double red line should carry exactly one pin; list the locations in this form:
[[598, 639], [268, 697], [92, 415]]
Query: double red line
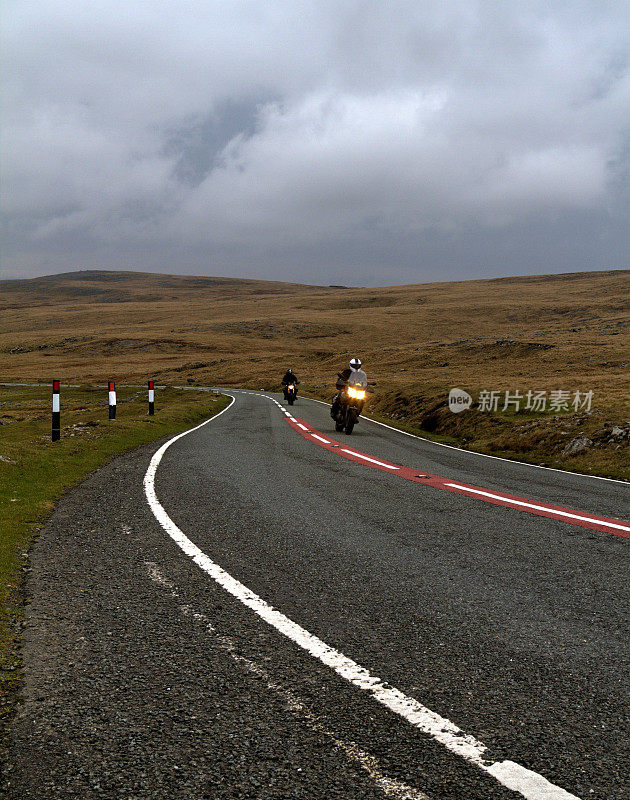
[[583, 519]]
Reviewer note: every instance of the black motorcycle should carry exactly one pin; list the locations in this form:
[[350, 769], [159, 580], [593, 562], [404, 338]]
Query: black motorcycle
[[290, 393], [348, 407]]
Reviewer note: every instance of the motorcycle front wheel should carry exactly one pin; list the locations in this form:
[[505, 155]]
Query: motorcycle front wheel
[[353, 415]]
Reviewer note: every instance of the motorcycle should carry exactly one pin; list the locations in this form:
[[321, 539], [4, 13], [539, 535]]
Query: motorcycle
[[348, 407], [290, 393]]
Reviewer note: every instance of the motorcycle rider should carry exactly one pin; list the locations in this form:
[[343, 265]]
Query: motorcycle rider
[[289, 378], [354, 376]]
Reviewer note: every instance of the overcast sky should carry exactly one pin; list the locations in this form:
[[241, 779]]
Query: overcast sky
[[360, 143]]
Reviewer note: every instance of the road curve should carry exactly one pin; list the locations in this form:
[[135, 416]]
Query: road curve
[[145, 678]]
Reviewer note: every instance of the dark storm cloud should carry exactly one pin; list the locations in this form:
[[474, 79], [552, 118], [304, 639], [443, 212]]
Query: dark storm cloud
[[197, 143], [386, 141]]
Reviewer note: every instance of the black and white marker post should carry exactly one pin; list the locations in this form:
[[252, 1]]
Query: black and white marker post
[[112, 400], [56, 413], [151, 399]]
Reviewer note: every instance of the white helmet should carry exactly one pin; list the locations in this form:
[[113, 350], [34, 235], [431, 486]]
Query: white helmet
[[355, 363]]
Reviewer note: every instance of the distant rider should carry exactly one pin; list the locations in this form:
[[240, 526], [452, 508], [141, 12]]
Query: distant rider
[[354, 376], [289, 378]]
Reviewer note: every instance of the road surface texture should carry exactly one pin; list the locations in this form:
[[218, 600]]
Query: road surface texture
[[146, 678]]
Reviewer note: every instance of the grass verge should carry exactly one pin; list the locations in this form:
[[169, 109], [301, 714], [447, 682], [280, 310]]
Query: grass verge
[[597, 463], [35, 473]]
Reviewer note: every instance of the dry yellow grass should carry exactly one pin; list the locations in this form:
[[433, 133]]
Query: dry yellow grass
[[550, 332]]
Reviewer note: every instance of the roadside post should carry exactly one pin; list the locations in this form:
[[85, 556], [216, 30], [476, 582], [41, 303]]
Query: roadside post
[[56, 412], [112, 400], [151, 399]]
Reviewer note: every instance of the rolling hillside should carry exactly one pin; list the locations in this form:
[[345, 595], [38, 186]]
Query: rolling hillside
[[553, 332]]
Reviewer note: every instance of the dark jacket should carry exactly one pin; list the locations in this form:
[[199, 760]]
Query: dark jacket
[[290, 377]]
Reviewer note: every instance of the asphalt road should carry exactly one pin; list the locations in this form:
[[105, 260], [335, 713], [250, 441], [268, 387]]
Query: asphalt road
[[145, 678]]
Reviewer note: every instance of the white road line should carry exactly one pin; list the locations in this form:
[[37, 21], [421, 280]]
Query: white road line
[[391, 787], [531, 785], [304, 428], [475, 453], [538, 508], [367, 458], [467, 488]]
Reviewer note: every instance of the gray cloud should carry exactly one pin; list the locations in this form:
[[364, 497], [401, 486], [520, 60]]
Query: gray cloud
[[386, 141]]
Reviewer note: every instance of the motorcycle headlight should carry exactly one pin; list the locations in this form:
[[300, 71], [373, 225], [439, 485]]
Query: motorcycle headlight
[[359, 394], [352, 392], [291, 387]]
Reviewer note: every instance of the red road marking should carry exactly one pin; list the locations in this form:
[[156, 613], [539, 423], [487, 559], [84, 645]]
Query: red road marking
[[580, 518]]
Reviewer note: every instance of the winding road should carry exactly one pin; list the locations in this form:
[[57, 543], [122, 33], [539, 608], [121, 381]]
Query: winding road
[[263, 608]]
